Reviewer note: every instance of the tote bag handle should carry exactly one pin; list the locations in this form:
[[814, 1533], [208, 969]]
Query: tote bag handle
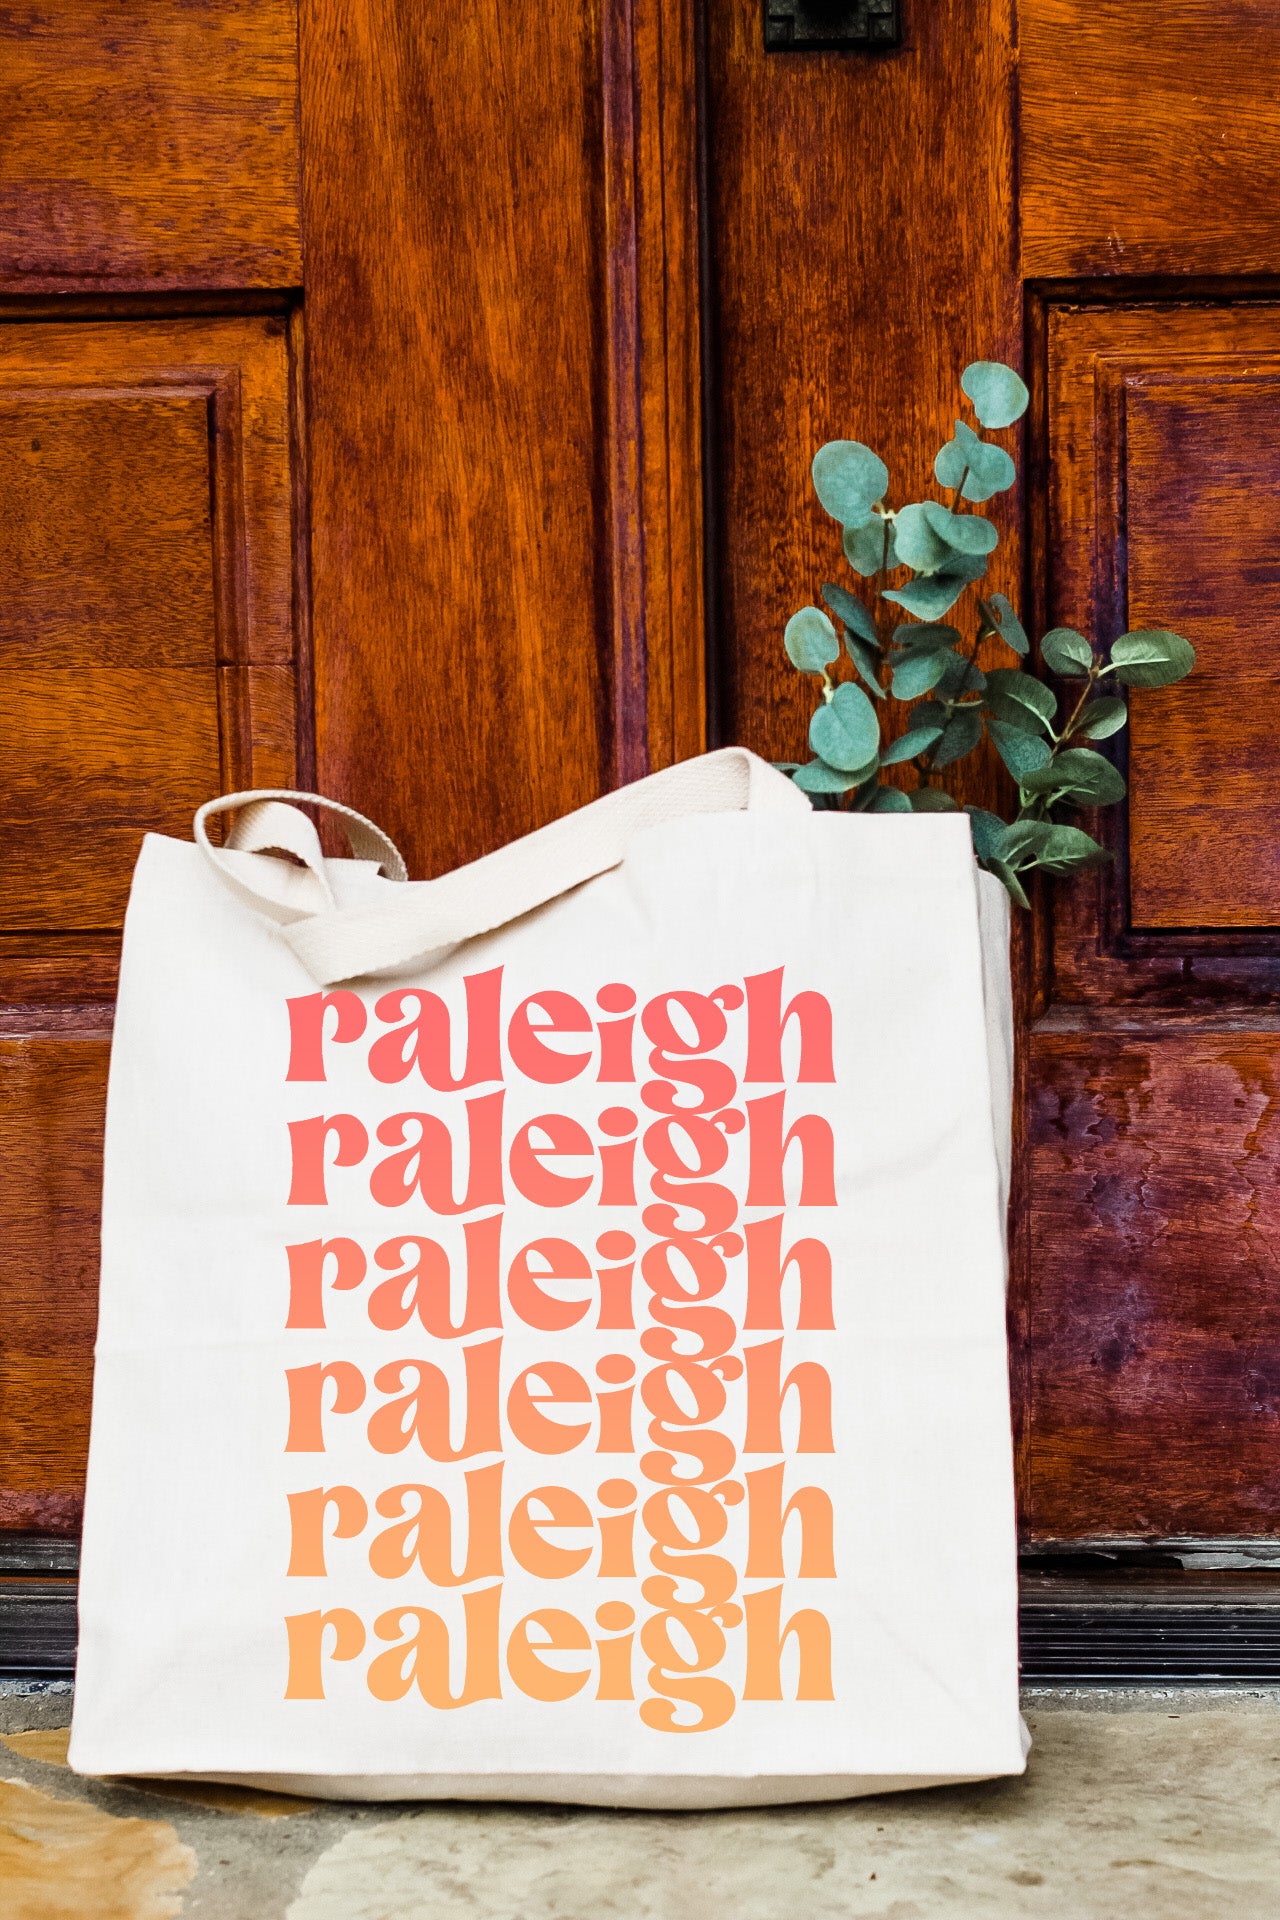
[[335, 944]]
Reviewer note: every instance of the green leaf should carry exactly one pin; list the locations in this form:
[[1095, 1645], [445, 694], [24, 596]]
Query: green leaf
[[849, 479], [1066, 652], [936, 594], [1041, 843], [810, 640], [915, 740], [988, 832], [1010, 684], [926, 635], [784, 766], [867, 660], [1080, 775], [962, 532], [930, 713], [1100, 719], [998, 394], [998, 611], [845, 731], [931, 800], [847, 607], [889, 800], [918, 544], [1022, 752], [1008, 878], [1152, 657], [960, 736], [1067, 848], [960, 676], [918, 672], [989, 469], [864, 547], [818, 777]]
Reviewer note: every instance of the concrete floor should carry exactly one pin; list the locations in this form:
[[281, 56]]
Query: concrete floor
[[1145, 1806]]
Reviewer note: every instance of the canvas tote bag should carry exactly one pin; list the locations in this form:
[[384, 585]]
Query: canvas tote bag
[[552, 1327]]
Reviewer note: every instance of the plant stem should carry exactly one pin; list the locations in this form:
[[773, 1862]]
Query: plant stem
[[1094, 675]]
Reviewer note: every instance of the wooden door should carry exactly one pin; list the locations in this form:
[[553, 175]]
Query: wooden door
[[385, 391]]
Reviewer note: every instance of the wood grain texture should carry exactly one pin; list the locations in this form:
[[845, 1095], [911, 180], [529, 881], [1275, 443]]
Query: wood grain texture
[[654, 358], [842, 309], [1149, 140], [149, 146], [52, 1094], [146, 650], [489, 538], [1153, 1310]]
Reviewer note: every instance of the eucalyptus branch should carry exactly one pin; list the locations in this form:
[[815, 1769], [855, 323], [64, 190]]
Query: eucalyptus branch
[[943, 545]]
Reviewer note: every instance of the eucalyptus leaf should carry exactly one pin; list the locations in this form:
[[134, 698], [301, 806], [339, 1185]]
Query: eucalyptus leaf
[[849, 479], [1069, 847], [985, 469], [918, 672], [935, 594], [918, 543], [988, 832], [847, 607], [962, 532], [930, 713], [1008, 879], [810, 640], [926, 635], [865, 547], [1022, 752], [960, 676], [1042, 843], [1066, 652], [1152, 657], [889, 800], [1011, 684], [1002, 617], [915, 740], [1100, 718], [817, 777], [1078, 774], [931, 800], [845, 731], [867, 660], [998, 394], [960, 736]]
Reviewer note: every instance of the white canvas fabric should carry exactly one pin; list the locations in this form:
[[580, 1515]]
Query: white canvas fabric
[[552, 1335]]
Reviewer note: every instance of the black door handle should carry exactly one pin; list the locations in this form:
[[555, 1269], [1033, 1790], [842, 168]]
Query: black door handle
[[809, 26]]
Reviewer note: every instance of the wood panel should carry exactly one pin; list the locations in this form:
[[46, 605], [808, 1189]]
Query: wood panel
[[1165, 456], [147, 660], [146, 546], [493, 567], [861, 246], [1149, 140], [52, 1093], [1152, 1307], [149, 146]]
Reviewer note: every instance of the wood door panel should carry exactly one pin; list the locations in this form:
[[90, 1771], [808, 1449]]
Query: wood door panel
[[149, 146], [100, 757], [147, 661], [1149, 137], [146, 514], [52, 1095], [1152, 1310], [1164, 444]]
